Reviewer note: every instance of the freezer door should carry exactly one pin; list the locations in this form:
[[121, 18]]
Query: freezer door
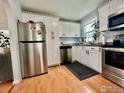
[[31, 31], [33, 59]]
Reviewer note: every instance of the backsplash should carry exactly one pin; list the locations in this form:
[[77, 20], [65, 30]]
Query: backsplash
[[109, 35], [70, 40]]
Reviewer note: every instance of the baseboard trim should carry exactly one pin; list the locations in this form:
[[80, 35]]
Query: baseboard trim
[[16, 81], [54, 65], [0, 82]]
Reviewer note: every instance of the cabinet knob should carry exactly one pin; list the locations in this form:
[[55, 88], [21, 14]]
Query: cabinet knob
[[64, 34], [52, 33], [92, 48], [52, 37], [87, 51]]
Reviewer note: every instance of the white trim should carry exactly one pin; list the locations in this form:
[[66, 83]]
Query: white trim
[[17, 81], [94, 19], [0, 82], [58, 64]]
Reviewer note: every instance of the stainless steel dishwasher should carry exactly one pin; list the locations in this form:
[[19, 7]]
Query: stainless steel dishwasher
[[66, 54]]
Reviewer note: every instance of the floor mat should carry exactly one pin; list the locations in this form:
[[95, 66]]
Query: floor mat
[[80, 71]]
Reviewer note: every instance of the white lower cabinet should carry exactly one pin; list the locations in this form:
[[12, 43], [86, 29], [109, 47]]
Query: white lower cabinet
[[76, 53], [78, 50], [84, 56], [94, 58], [87, 55]]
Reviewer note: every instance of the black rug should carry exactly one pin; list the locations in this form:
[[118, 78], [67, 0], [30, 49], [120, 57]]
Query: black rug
[[80, 71]]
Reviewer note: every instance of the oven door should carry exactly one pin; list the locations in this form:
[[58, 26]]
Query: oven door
[[113, 61]]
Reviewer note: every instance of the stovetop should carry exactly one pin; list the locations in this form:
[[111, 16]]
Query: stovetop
[[113, 46]]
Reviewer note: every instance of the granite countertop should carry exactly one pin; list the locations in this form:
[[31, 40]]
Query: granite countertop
[[97, 45]]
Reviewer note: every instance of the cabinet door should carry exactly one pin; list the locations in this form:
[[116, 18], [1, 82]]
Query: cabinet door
[[119, 5], [74, 53], [94, 58], [84, 56], [62, 29], [78, 53], [115, 5], [49, 41], [77, 30], [56, 50], [71, 29], [52, 38], [74, 30], [67, 29], [103, 17]]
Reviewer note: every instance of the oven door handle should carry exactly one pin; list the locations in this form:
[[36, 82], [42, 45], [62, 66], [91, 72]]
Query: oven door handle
[[114, 49]]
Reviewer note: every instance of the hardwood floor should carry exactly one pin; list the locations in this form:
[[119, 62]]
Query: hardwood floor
[[5, 87], [61, 80]]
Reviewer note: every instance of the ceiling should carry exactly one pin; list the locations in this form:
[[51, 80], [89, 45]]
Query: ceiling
[[3, 16], [65, 9]]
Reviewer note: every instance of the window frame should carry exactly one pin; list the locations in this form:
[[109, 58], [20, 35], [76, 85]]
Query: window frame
[[84, 29]]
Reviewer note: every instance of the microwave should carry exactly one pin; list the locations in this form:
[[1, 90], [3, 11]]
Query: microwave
[[116, 21]]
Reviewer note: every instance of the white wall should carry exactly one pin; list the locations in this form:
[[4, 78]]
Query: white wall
[[70, 40], [13, 10], [3, 16]]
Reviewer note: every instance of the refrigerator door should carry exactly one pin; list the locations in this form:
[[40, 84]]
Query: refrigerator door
[[31, 31], [33, 59]]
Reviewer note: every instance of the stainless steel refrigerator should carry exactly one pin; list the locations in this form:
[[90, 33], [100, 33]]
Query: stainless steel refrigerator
[[32, 45]]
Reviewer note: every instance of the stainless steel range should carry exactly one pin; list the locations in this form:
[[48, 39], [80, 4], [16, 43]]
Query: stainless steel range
[[113, 64]]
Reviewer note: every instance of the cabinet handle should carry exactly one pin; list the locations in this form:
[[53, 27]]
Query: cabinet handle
[[64, 34], [52, 33], [52, 37], [88, 52], [100, 49], [93, 48]]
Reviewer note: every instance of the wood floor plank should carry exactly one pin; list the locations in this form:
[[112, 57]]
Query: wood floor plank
[[61, 80], [5, 87]]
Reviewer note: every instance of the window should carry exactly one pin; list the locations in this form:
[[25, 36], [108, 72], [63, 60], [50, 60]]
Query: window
[[89, 31], [4, 38]]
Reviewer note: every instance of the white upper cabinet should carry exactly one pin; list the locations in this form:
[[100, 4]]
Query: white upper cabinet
[[115, 5], [63, 29], [69, 29], [74, 30], [108, 9], [103, 17], [123, 3]]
